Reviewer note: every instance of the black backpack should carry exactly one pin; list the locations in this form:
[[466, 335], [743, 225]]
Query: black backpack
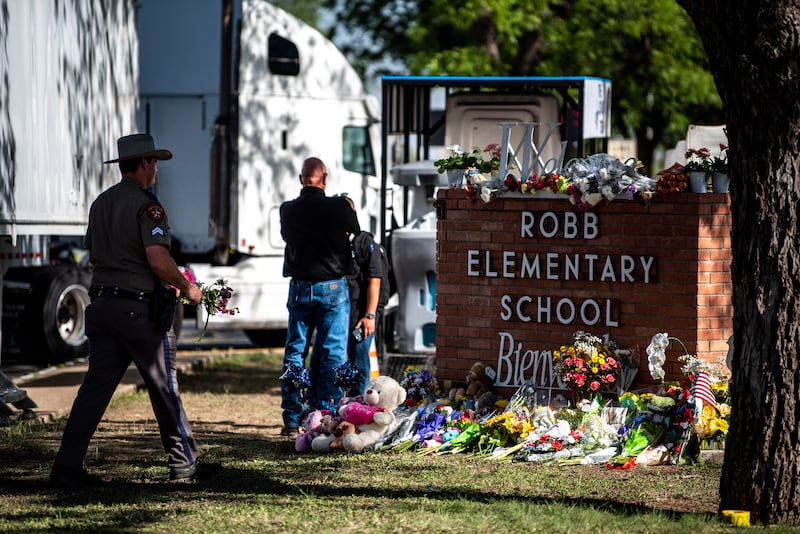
[[362, 251]]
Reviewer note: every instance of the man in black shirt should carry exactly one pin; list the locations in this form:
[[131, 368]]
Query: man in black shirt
[[317, 258]]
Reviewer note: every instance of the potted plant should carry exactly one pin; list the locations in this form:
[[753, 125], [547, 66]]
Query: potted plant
[[699, 165], [719, 168], [492, 165], [456, 164]]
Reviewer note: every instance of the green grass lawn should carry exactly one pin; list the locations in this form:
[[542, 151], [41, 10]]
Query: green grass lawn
[[268, 487]]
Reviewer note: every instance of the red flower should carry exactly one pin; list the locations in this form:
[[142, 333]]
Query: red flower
[[511, 183]]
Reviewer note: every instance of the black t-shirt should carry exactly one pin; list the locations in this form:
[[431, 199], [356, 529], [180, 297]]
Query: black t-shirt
[[367, 263], [315, 229]]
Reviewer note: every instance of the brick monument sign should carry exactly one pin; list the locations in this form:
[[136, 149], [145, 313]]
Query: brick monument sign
[[519, 275]]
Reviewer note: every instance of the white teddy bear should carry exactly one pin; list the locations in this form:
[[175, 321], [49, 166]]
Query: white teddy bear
[[383, 393]]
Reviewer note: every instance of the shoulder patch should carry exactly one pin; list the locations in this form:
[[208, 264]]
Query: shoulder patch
[[155, 211]]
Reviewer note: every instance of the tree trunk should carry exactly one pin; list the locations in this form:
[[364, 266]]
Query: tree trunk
[[752, 46]]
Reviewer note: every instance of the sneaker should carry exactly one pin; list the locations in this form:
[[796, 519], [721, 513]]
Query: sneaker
[[70, 477], [197, 471], [290, 432]]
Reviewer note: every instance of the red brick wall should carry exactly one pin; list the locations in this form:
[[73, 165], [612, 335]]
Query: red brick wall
[[689, 297]]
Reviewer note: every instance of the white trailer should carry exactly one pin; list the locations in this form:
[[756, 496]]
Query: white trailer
[[242, 92], [67, 91]]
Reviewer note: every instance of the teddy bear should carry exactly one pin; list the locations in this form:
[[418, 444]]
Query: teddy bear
[[315, 424], [384, 394], [343, 429], [480, 379]]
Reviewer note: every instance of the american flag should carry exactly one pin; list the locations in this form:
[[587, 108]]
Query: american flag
[[701, 388]]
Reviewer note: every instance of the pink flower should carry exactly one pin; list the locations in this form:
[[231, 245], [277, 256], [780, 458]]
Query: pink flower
[[189, 275], [595, 385]]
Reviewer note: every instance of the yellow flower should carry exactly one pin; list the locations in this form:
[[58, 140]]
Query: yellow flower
[[719, 425]]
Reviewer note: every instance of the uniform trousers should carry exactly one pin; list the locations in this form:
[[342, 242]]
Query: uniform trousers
[[120, 331]]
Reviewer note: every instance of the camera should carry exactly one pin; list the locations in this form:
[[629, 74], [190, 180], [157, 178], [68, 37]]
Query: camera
[[358, 335]]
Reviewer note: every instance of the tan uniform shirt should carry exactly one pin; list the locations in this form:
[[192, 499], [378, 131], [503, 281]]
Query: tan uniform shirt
[[123, 221]]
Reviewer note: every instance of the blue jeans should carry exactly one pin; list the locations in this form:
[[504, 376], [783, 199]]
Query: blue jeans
[[324, 307], [358, 353]]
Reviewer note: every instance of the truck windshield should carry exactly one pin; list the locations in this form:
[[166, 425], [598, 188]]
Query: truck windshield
[[357, 150]]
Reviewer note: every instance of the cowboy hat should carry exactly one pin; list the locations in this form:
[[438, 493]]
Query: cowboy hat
[[138, 146]]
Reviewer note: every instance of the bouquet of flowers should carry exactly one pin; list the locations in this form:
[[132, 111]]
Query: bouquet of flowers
[[551, 182], [505, 430], [602, 177], [420, 386], [587, 365], [215, 299]]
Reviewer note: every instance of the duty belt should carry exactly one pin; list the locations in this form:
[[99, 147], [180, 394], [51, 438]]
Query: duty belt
[[118, 292]]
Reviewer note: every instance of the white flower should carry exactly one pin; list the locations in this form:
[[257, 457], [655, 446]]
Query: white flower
[[592, 198], [656, 355], [487, 194], [608, 192]]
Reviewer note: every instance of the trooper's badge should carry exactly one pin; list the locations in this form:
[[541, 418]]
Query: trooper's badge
[[155, 212]]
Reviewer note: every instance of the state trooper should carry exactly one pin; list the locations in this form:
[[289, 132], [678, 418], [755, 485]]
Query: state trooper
[[130, 317]]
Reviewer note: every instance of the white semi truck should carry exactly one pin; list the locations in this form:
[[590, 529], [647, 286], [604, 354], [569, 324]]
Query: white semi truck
[[240, 91]]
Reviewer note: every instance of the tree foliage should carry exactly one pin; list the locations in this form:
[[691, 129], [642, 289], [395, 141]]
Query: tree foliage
[[306, 10], [648, 48]]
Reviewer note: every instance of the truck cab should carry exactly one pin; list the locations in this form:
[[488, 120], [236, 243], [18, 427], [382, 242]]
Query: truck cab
[[242, 100]]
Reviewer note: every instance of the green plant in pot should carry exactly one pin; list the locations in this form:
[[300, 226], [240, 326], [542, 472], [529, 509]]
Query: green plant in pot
[[459, 159]]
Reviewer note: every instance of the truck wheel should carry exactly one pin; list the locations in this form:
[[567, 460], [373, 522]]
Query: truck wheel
[[56, 319]]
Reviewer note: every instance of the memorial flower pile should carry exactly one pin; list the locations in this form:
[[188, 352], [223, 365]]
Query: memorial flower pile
[[602, 426], [585, 181], [601, 177]]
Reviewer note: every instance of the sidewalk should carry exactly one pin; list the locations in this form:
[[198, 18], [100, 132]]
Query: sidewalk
[[54, 389]]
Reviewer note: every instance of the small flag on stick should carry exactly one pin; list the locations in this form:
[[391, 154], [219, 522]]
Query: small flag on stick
[[701, 389]]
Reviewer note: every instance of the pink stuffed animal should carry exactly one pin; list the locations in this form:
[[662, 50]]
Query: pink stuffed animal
[[315, 424], [358, 413]]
